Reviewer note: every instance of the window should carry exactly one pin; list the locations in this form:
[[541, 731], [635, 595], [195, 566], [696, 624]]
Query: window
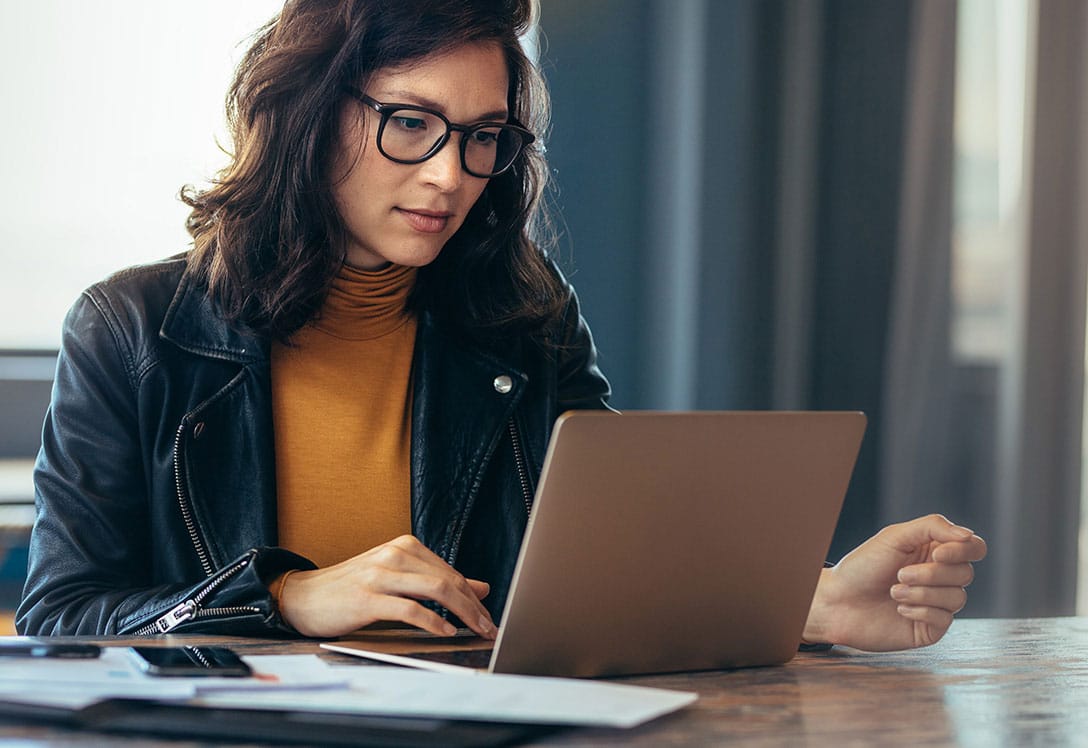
[[109, 108], [990, 199]]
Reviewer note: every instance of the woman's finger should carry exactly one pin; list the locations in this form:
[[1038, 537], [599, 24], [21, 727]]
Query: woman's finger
[[934, 574], [403, 610], [938, 618], [966, 551], [951, 599], [451, 592]]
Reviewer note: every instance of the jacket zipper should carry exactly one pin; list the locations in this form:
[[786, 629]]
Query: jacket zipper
[[523, 470], [190, 609], [186, 505], [523, 478], [526, 493]]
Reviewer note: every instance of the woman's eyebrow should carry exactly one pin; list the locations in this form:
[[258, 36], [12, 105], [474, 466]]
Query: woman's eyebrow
[[407, 97]]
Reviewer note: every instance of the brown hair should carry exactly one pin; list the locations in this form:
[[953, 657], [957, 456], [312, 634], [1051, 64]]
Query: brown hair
[[267, 238]]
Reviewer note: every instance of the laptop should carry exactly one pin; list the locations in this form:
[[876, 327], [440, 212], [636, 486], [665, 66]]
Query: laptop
[[663, 542]]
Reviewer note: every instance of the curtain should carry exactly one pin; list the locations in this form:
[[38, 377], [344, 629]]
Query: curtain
[[1019, 480], [1040, 423], [916, 403]]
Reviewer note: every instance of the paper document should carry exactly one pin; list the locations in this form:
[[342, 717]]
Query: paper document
[[404, 692]]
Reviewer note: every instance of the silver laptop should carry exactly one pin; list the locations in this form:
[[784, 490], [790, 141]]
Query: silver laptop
[[674, 541]]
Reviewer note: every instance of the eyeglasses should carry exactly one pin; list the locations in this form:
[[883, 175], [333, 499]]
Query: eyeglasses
[[411, 135]]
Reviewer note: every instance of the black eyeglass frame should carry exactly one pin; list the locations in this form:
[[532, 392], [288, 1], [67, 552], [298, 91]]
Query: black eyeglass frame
[[386, 110]]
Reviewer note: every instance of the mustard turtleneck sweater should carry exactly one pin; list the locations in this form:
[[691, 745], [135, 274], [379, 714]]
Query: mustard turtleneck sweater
[[341, 408]]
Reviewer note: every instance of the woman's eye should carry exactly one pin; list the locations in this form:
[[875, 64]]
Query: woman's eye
[[485, 137], [406, 122]]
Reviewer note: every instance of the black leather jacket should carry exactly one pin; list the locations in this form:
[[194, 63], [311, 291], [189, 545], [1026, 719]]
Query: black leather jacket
[[155, 484]]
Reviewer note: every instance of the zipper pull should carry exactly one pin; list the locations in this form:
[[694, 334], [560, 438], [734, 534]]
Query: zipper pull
[[175, 617]]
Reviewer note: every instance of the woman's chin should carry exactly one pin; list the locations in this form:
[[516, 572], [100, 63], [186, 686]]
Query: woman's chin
[[408, 256]]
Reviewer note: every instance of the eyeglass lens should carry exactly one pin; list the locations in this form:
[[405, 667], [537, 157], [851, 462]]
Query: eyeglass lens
[[411, 134]]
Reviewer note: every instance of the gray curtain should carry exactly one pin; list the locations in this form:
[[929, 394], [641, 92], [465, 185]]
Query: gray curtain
[[918, 423], [1040, 422], [1001, 442]]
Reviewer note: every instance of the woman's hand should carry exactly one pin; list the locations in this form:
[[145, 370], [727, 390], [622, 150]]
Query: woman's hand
[[897, 590], [384, 584]]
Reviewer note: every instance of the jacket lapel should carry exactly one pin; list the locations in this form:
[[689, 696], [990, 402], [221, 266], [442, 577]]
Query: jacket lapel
[[225, 445]]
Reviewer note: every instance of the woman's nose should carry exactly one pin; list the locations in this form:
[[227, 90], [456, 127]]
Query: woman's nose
[[443, 169]]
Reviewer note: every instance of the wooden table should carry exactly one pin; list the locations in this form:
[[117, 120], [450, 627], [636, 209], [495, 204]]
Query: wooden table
[[990, 682]]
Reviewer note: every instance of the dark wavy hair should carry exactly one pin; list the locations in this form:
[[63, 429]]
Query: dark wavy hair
[[267, 238]]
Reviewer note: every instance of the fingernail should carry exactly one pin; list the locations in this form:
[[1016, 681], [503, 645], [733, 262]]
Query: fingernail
[[900, 591], [908, 576], [964, 532], [449, 629], [487, 626]]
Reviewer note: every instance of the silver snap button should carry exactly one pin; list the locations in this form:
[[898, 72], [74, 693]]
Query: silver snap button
[[198, 430], [503, 384]]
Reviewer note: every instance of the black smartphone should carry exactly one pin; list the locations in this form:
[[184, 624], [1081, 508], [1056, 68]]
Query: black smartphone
[[190, 661], [28, 646]]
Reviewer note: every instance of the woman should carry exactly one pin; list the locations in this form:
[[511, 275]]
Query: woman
[[332, 411]]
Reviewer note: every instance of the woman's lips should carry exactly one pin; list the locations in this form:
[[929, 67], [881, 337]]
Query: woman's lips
[[428, 222]]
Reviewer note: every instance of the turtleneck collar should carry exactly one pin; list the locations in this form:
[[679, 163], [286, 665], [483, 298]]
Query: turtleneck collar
[[367, 304]]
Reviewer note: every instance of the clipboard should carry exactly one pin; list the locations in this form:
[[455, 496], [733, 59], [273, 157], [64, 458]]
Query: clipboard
[[180, 720]]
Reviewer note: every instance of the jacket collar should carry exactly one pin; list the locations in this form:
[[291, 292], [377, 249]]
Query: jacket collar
[[192, 323]]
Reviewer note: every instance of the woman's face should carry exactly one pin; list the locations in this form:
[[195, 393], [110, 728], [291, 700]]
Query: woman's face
[[405, 213]]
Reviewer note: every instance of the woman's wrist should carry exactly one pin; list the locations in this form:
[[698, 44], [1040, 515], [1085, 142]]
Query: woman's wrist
[[277, 587], [817, 626]]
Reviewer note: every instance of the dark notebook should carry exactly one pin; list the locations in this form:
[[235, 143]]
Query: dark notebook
[[136, 716]]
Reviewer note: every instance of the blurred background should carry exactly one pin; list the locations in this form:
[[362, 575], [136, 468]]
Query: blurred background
[[763, 204]]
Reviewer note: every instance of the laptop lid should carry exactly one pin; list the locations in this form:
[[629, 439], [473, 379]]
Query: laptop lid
[[675, 541]]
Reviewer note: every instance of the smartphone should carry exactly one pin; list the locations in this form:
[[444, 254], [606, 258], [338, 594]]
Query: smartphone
[[28, 646], [190, 661]]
